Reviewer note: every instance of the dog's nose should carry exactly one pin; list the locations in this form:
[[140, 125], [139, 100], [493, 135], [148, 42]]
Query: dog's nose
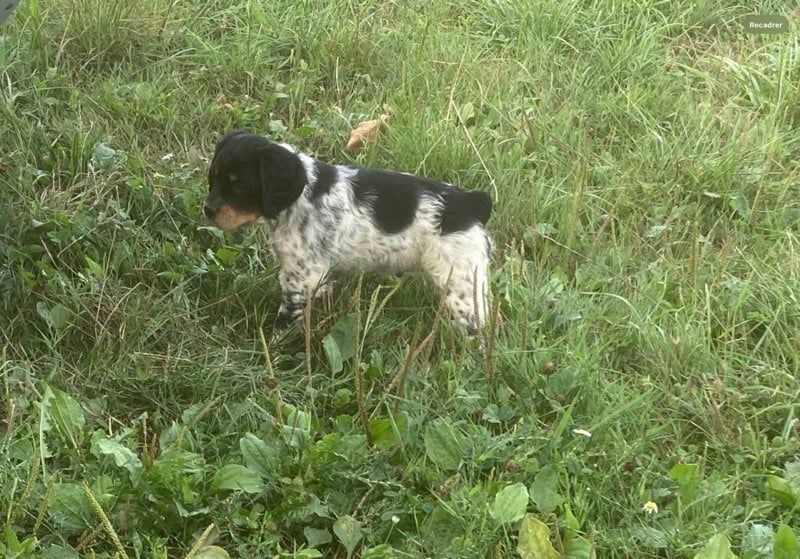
[[209, 211]]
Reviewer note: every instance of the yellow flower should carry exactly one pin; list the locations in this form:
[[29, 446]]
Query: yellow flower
[[650, 507]]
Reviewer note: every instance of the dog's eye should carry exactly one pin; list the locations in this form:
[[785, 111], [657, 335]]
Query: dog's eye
[[234, 184]]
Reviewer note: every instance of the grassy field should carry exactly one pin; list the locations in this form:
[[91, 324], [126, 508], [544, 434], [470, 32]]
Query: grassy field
[[643, 158]]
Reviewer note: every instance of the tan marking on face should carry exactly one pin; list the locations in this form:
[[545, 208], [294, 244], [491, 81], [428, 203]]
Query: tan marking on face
[[230, 219], [233, 177]]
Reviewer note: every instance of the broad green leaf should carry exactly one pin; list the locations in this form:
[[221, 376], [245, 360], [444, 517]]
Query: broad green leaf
[[544, 490], [348, 530], [94, 268], [227, 256], [102, 156], [11, 542], [739, 203], [782, 491], [297, 418], [179, 471], [534, 540], [333, 353], [757, 543], [342, 397], [316, 537], [188, 415], [687, 476], [169, 436], [260, 456], [785, 545], [650, 537], [277, 127], [655, 231], [235, 477], [468, 114], [575, 545], [13, 547], [718, 548], [123, 457], [211, 552], [59, 316], [387, 432], [570, 522], [343, 334], [510, 503], [492, 414], [382, 433], [175, 462], [315, 506], [444, 446], [69, 509], [307, 554], [546, 229], [297, 428], [66, 414], [578, 547]]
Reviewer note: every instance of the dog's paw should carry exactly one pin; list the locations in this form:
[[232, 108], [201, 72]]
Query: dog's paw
[[280, 326], [285, 323], [277, 334]]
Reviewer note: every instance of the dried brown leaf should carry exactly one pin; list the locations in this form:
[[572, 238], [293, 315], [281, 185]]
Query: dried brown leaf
[[222, 101], [366, 131]]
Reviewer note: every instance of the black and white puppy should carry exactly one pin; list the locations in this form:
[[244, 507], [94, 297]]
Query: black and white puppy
[[324, 218]]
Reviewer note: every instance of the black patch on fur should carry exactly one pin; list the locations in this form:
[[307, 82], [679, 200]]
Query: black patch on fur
[[463, 208], [325, 178], [393, 199]]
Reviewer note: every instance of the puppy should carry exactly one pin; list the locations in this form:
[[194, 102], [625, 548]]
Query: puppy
[[324, 218]]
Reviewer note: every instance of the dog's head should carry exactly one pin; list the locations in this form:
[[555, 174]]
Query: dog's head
[[251, 177]]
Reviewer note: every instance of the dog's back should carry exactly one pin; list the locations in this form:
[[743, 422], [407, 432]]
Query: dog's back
[[395, 197]]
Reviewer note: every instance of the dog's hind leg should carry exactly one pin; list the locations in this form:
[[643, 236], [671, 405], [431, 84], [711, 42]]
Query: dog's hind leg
[[461, 272]]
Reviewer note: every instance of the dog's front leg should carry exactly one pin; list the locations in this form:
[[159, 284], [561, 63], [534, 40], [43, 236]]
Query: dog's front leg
[[298, 282]]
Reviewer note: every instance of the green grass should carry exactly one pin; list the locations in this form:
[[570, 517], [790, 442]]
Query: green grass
[[643, 160]]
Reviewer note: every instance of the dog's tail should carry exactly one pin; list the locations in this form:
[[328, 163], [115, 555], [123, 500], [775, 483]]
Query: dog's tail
[[478, 204], [463, 208]]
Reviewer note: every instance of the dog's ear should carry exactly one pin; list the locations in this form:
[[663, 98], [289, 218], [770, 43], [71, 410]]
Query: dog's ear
[[282, 179]]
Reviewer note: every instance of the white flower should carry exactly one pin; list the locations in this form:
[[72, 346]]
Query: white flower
[[582, 432], [650, 507], [168, 157], [395, 519]]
